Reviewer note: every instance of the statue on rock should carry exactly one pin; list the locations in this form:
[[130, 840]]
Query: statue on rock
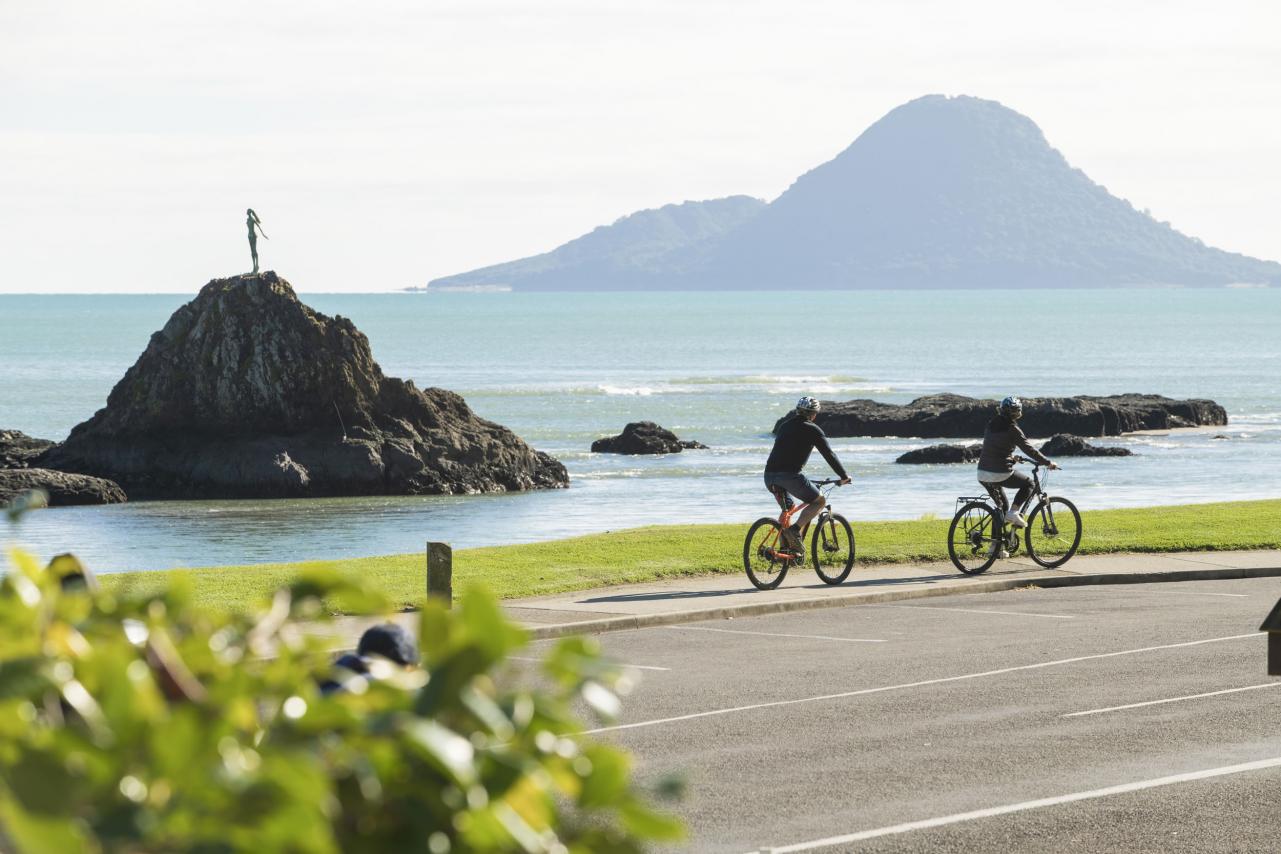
[[253, 222]]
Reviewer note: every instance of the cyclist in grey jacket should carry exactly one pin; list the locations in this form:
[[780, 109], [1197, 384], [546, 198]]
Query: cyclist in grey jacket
[[996, 461]]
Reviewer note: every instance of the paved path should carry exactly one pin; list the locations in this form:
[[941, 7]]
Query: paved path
[[712, 596]]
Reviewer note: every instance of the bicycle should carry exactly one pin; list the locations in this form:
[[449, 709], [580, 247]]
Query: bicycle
[[767, 558], [1052, 535]]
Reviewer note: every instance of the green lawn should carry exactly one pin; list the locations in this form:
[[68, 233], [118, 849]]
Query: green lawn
[[645, 554]]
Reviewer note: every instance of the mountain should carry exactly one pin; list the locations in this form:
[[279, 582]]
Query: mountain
[[942, 192], [633, 249]]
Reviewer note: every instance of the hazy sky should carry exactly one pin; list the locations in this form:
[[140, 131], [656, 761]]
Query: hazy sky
[[387, 143]]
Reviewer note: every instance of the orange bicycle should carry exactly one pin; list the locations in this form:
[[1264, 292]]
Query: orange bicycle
[[767, 558]]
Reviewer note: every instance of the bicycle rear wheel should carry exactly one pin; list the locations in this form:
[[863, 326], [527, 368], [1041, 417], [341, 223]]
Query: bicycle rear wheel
[[1053, 532], [832, 548], [763, 554], [971, 538]]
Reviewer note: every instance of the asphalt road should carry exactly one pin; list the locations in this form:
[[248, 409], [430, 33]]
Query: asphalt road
[[836, 730]]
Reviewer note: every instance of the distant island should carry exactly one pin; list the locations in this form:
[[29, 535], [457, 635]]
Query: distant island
[[942, 192]]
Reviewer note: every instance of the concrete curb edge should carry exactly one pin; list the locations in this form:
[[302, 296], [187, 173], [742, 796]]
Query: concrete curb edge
[[669, 618]]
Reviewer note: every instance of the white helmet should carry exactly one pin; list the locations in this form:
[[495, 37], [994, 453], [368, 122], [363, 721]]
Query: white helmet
[[807, 404]]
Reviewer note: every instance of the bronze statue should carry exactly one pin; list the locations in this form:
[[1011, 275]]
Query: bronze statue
[[253, 221]]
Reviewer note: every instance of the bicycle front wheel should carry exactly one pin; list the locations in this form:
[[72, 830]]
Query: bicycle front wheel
[[973, 540], [1053, 532], [832, 548], [762, 554]]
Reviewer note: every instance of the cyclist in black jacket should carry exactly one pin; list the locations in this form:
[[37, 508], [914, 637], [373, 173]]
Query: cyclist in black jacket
[[796, 438], [996, 461]]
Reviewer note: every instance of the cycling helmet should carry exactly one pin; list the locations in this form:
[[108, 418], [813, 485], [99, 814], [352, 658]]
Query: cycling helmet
[[807, 404], [1012, 407]]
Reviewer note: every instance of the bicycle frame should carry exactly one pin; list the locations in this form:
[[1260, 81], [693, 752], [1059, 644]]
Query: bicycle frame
[[785, 519]]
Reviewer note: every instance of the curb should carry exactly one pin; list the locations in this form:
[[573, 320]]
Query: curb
[[642, 621]]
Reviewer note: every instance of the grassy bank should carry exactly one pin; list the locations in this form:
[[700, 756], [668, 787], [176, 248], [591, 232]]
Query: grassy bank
[[645, 554]]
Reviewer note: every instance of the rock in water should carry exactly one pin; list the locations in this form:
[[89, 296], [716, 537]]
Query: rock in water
[[940, 416], [644, 437], [248, 393], [942, 454], [18, 449], [1063, 445], [64, 489]]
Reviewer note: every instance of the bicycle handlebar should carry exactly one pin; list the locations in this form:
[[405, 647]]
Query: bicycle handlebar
[[831, 481]]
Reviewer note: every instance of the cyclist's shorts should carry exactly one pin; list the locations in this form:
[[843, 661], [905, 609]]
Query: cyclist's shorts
[[796, 484]]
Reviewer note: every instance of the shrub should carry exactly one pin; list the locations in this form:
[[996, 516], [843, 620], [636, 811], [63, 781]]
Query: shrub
[[150, 723]]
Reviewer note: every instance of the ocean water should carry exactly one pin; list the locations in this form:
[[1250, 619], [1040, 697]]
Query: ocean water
[[564, 369]]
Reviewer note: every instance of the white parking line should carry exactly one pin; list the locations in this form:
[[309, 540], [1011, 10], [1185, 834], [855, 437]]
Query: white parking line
[[1172, 700], [978, 611], [921, 684], [771, 634], [619, 663], [941, 821], [1175, 592]]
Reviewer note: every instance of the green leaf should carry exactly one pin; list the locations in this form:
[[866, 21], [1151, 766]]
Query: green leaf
[[448, 751]]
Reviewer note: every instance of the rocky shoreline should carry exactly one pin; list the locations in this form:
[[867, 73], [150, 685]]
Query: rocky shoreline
[[941, 416]]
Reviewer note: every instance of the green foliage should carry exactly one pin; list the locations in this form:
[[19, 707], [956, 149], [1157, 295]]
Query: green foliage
[[146, 722]]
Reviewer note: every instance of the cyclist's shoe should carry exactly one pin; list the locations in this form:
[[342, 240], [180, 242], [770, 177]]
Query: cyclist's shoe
[[1013, 517], [997, 552], [792, 539]]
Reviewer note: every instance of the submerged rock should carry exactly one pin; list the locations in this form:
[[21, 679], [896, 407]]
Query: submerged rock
[[644, 437], [18, 449], [247, 392], [950, 415], [64, 489], [942, 454], [1063, 445]]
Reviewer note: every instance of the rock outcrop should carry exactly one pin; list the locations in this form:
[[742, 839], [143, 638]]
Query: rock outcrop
[[64, 489], [1063, 445], [246, 392], [940, 416], [644, 437], [942, 454], [18, 449]]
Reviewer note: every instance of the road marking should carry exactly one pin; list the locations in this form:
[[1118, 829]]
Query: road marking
[[977, 611], [771, 634], [1172, 700], [619, 663], [1179, 593], [1091, 794], [921, 684]]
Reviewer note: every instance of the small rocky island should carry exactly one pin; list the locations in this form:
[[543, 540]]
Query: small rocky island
[[1058, 445], [940, 416], [17, 475], [248, 393], [644, 437]]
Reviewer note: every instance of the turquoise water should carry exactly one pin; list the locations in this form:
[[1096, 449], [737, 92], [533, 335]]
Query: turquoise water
[[563, 369]]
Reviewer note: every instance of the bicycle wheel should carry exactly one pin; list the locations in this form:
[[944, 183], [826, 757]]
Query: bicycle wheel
[[1053, 532], [832, 548], [761, 555], [974, 529]]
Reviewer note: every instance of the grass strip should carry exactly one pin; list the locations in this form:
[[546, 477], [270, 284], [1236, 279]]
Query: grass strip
[[655, 552]]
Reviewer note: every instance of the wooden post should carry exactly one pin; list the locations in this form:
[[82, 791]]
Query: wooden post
[[440, 573], [1272, 625]]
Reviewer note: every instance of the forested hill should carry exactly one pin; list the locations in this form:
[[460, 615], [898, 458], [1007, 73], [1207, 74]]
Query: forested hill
[[941, 192]]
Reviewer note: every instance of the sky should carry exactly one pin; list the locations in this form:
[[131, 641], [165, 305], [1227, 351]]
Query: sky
[[385, 144]]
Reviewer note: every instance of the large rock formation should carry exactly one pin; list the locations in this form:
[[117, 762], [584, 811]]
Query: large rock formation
[[1063, 445], [644, 437], [64, 489], [950, 415], [246, 392]]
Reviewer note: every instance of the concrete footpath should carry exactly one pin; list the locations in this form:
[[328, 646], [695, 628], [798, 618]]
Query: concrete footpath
[[708, 597]]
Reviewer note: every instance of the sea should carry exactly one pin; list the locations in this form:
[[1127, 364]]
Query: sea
[[562, 369]]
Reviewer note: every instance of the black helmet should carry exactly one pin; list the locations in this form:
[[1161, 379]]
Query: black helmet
[[1012, 407]]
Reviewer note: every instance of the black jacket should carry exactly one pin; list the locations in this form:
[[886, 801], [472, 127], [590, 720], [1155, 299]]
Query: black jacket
[[792, 446], [1000, 439]]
